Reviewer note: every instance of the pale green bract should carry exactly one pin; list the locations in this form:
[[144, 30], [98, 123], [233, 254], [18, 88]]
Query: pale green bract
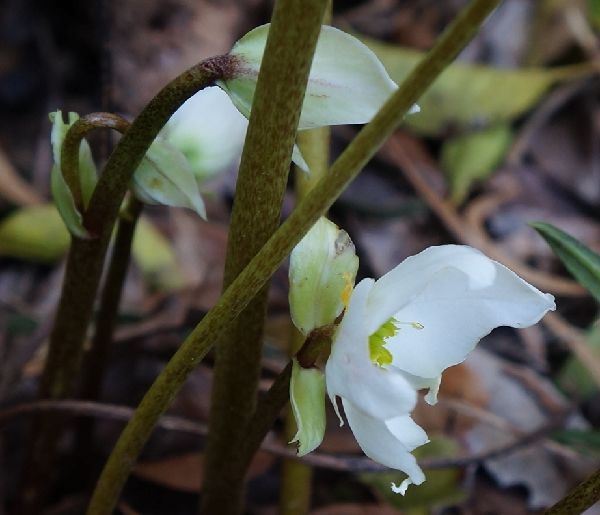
[[165, 177]]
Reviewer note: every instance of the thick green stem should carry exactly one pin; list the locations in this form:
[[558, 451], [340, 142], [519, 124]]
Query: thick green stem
[[243, 289], [296, 477], [86, 258], [96, 359], [582, 497], [260, 189]]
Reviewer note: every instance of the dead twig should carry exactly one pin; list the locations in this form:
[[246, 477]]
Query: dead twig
[[464, 232], [340, 462]]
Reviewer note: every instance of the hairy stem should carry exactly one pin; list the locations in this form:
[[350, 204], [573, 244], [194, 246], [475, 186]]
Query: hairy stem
[[96, 359], [296, 477], [582, 497], [254, 276], [85, 262], [260, 189]]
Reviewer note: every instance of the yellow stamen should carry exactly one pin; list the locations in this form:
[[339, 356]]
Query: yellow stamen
[[347, 291]]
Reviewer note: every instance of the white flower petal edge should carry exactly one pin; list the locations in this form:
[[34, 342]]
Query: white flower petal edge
[[458, 295], [389, 442], [350, 373], [444, 300]]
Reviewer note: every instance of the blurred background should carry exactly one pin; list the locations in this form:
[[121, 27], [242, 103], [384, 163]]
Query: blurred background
[[508, 135]]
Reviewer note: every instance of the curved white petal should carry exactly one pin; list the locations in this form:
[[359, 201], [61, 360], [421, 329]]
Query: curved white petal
[[347, 82], [350, 373], [457, 306], [388, 442], [401, 284]]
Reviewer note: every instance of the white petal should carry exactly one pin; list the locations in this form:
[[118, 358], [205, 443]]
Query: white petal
[[350, 373], [347, 82], [164, 177], [388, 442], [209, 131], [457, 306], [298, 159], [401, 284]]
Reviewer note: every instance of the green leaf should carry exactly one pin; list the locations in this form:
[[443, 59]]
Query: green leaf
[[584, 441], [593, 8], [583, 263], [441, 488], [468, 96], [34, 233], [469, 157]]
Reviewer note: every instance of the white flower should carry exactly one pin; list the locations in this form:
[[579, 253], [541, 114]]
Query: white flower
[[399, 333], [347, 83], [209, 131], [202, 138]]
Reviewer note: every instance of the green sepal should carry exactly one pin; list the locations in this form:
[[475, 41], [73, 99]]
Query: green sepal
[[322, 269]]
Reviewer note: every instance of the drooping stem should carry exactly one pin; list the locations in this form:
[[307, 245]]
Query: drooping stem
[[243, 289], [260, 189], [85, 261]]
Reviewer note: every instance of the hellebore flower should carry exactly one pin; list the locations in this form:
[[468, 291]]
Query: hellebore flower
[[322, 271], [401, 332], [347, 83], [87, 175], [209, 131]]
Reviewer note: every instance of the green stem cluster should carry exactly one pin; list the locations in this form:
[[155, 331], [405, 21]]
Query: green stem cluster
[[254, 276], [260, 189], [86, 258]]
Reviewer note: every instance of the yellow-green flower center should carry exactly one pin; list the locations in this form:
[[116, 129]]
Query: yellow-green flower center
[[378, 353]]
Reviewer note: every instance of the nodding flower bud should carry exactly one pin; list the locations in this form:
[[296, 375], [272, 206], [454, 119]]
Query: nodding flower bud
[[63, 198], [322, 271], [209, 131], [347, 82]]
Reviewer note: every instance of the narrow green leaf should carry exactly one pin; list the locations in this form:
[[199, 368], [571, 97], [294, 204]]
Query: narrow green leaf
[[579, 260]]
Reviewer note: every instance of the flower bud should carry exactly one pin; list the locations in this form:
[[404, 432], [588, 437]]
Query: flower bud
[[322, 271], [87, 175], [209, 131]]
